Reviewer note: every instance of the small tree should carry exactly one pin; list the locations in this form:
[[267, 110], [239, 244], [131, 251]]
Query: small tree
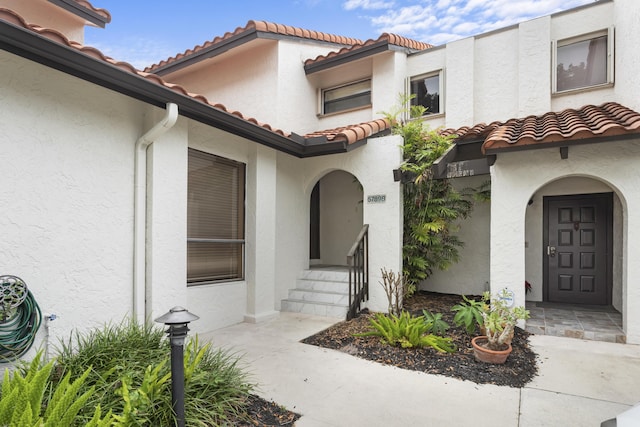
[[432, 207]]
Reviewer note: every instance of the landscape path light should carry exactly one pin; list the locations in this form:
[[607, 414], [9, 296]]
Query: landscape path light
[[177, 320]]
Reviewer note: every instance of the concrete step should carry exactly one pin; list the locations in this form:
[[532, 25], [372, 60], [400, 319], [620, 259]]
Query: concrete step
[[320, 292], [314, 308], [319, 296]]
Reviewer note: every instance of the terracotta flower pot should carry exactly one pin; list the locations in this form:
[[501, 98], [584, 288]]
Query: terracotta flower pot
[[484, 354]]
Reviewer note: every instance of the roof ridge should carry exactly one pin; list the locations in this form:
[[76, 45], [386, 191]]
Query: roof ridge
[[261, 26], [392, 39], [100, 11]]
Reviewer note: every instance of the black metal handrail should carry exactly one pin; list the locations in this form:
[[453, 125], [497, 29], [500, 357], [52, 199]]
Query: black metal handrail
[[358, 262]]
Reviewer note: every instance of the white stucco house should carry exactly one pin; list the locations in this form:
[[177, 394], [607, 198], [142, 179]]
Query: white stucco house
[[215, 178]]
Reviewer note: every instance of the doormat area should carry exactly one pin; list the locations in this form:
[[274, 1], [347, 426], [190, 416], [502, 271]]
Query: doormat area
[[576, 307]]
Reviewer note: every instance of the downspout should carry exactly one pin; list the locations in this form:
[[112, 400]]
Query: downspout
[[140, 209]]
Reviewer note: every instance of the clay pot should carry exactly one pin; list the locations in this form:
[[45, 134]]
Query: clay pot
[[486, 355]]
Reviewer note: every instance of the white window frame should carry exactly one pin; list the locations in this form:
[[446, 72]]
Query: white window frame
[[441, 103], [345, 87], [555, 44]]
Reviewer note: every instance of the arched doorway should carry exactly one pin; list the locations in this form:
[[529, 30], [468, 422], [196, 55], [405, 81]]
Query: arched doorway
[[573, 236], [335, 217], [574, 241]]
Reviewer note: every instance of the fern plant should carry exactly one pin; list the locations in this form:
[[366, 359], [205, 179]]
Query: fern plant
[[22, 401], [407, 331]]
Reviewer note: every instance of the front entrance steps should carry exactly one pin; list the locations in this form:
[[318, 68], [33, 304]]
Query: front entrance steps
[[321, 291]]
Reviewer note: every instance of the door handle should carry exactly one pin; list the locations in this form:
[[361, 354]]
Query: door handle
[[551, 251]]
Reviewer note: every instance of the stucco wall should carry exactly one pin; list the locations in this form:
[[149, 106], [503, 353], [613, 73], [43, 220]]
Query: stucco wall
[[471, 274], [67, 196], [48, 15], [263, 79], [507, 73], [516, 177]]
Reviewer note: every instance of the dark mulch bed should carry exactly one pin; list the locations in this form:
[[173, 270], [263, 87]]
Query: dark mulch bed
[[518, 370], [262, 413]]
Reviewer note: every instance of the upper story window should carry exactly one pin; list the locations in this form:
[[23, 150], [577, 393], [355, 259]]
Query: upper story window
[[346, 97], [215, 219], [426, 91], [583, 62]]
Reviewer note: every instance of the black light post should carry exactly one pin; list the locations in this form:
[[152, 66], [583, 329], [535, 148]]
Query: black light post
[[177, 320]]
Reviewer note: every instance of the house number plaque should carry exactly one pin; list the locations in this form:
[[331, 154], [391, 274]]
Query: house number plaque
[[377, 198]]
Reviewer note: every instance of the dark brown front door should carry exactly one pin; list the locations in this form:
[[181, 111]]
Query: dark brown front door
[[577, 248]]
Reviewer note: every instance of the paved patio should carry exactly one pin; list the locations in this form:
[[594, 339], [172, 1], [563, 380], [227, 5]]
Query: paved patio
[[596, 323], [580, 382]]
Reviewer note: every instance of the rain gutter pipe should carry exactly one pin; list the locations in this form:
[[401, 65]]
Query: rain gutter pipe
[[140, 209]]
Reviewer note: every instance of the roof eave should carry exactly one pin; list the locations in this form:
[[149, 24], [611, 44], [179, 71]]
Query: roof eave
[[89, 15], [35, 47], [214, 49], [557, 144], [346, 57]]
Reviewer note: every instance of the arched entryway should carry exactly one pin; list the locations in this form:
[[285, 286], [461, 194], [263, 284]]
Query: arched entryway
[[336, 217], [573, 247]]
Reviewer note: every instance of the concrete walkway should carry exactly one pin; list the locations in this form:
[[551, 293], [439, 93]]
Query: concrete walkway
[[580, 383]]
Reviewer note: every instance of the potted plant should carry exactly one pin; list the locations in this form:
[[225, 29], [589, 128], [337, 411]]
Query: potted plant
[[499, 321]]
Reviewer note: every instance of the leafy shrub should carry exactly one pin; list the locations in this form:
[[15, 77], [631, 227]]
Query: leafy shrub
[[22, 401], [436, 325], [131, 376], [469, 313], [407, 331]]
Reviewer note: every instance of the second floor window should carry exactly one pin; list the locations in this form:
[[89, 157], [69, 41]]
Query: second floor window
[[346, 97], [583, 62], [426, 90]]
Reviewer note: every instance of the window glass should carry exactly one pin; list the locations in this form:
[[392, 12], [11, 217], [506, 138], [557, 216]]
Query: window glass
[[215, 218], [582, 64], [426, 91], [347, 97]]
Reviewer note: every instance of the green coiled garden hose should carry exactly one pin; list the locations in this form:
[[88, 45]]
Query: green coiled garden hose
[[20, 318]]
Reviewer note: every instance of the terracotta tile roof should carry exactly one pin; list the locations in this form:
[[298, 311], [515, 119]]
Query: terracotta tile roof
[[264, 27], [102, 12], [347, 134], [352, 133], [475, 132], [12, 17], [391, 39], [570, 125]]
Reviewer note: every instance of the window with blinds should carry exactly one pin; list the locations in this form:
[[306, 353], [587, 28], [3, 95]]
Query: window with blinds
[[215, 219]]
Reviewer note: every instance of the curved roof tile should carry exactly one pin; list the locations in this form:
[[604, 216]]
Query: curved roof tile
[[589, 121], [392, 39], [102, 12], [352, 133], [262, 26]]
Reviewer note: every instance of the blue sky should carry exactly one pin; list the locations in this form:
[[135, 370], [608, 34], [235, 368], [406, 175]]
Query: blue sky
[[143, 32]]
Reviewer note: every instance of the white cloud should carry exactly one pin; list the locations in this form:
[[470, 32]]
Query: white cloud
[[367, 4], [139, 52], [442, 21]]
